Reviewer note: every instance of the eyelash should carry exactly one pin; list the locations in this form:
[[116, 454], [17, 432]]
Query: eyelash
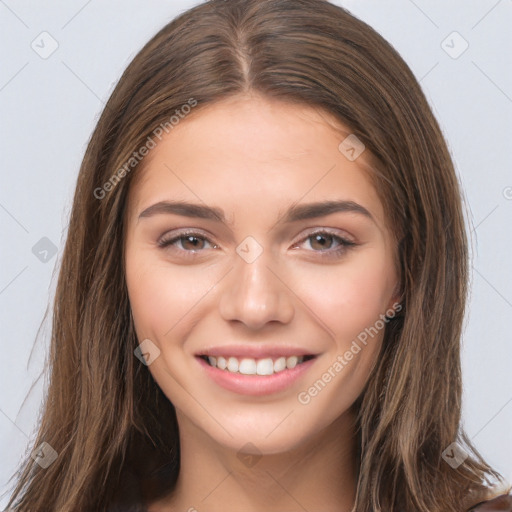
[[327, 253]]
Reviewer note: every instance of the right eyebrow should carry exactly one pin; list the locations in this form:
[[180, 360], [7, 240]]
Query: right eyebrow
[[186, 209]]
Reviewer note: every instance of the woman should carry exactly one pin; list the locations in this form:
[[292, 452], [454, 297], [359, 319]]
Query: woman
[[263, 286]]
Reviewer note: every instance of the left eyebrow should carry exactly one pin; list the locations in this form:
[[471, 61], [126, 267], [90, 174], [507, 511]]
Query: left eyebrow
[[323, 208]]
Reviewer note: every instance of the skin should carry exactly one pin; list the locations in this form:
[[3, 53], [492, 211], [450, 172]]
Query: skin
[[254, 158]]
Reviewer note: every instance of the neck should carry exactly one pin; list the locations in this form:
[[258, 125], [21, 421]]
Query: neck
[[319, 474]]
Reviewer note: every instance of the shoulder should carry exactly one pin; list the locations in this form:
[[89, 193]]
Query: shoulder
[[501, 503]]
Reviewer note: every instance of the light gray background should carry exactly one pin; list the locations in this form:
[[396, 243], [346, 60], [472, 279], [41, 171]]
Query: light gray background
[[50, 106]]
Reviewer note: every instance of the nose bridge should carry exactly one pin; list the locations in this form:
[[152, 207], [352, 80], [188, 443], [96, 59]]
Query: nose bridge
[[255, 295]]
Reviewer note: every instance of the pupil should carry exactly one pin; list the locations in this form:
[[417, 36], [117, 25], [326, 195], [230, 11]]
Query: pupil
[[193, 240], [319, 238]]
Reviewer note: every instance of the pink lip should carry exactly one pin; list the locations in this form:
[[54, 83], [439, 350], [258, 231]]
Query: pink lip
[[255, 385], [255, 351]]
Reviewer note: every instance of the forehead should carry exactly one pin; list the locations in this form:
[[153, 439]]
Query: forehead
[[247, 150]]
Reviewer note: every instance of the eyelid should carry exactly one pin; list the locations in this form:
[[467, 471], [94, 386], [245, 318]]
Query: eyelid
[[344, 245], [171, 235], [349, 239]]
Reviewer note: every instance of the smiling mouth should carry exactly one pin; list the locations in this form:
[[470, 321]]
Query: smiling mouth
[[250, 366]]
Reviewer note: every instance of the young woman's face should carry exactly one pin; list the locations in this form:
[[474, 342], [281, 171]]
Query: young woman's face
[[230, 254]]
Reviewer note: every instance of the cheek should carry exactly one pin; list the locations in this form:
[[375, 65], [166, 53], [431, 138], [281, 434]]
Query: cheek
[[349, 301], [158, 297], [165, 298], [349, 298]]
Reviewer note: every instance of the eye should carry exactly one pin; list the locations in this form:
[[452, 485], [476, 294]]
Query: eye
[[190, 242], [326, 243], [325, 240]]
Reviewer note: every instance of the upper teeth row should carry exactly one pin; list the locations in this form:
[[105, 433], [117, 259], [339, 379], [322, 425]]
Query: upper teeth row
[[248, 366]]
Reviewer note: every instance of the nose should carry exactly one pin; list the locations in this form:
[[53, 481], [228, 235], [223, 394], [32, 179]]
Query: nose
[[255, 294]]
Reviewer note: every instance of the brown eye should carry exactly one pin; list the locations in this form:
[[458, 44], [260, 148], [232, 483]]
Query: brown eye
[[192, 242], [327, 244], [186, 242], [321, 241]]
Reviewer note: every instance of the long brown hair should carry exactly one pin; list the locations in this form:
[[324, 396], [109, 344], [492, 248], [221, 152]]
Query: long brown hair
[[113, 429]]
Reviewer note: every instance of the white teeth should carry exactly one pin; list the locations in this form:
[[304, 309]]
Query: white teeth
[[265, 367], [249, 366], [233, 364], [291, 362], [280, 364]]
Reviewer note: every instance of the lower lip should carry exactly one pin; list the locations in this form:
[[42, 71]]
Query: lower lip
[[256, 385]]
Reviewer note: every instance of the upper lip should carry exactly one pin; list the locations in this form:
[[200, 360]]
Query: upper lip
[[254, 351]]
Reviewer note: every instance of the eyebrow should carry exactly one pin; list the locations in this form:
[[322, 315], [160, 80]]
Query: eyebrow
[[293, 214]]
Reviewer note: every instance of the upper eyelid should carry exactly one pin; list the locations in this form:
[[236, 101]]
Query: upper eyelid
[[333, 233], [184, 232]]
